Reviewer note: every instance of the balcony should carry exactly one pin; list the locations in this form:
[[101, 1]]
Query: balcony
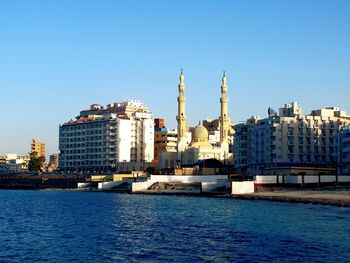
[[346, 159]]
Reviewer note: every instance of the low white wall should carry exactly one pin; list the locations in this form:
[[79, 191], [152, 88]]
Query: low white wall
[[344, 178], [328, 178], [84, 185], [298, 179], [142, 186], [310, 179], [108, 185], [187, 178], [246, 187], [211, 186], [267, 179]]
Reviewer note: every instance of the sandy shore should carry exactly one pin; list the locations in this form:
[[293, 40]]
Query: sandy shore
[[339, 197]]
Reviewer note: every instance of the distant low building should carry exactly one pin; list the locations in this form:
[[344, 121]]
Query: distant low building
[[13, 163], [53, 162]]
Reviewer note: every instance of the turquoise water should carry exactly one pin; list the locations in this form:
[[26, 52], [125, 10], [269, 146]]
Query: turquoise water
[[58, 226]]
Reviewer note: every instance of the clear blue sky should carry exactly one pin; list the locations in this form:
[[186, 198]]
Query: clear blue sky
[[58, 57]]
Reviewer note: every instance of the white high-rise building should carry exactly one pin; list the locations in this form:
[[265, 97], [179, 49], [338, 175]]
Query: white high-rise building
[[118, 137]]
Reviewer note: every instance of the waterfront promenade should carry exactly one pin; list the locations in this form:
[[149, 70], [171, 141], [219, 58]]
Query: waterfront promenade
[[336, 196]]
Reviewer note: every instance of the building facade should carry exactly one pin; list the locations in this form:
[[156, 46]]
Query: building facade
[[13, 163], [164, 140], [344, 151], [38, 147], [118, 137], [213, 128], [53, 162], [274, 144]]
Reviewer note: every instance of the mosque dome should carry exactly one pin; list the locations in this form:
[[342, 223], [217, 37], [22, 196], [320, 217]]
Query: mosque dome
[[200, 132], [200, 137]]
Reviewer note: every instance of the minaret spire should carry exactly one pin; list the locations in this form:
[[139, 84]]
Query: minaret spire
[[224, 119], [181, 117]]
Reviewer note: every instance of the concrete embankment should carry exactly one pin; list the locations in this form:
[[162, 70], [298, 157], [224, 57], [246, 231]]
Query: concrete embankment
[[340, 197], [322, 196], [33, 182]]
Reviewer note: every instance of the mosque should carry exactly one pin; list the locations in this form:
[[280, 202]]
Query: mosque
[[193, 144]]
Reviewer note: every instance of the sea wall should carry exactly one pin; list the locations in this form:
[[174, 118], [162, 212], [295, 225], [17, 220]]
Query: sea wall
[[208, 187], [186, 179], [109, 185], [300, 179], [84, 185], [246, 187]]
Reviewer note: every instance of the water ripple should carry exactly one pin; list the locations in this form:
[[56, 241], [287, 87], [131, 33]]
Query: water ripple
[[97, 227]]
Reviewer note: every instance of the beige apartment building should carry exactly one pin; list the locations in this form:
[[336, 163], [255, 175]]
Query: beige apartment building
[[38, 147], [164, 140], [289, 139]]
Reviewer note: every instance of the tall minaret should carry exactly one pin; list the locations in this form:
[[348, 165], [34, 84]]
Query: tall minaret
[[182, 127], [224, 119]]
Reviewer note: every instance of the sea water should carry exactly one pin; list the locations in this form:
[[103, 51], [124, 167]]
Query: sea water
[[62, 226]]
